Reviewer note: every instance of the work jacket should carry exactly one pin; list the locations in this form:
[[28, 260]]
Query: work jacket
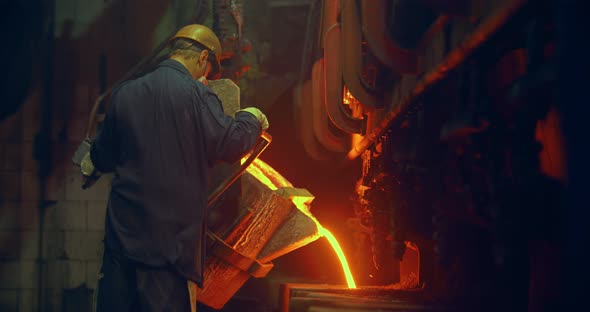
[[161, 134]]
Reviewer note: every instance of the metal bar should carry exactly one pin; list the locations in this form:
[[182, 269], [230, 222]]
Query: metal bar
[[455, 58], [261, 145]]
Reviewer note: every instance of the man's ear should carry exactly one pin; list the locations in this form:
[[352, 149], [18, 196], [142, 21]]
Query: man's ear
[[204, 56]]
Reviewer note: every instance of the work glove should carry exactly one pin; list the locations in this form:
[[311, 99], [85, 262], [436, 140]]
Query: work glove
[[89, 172], [86, 166], [258, 114]]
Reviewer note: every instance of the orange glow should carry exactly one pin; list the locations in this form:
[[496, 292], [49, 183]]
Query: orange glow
[[274, 180], [348, 98], [267, 174], [356, 110]]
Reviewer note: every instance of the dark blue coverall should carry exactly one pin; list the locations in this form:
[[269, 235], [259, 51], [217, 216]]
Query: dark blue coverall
[[161, 134]]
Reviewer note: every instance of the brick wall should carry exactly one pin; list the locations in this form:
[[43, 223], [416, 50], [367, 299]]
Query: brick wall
[[74, 218]]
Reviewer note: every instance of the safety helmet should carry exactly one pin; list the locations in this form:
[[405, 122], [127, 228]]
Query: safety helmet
[[206, 37]]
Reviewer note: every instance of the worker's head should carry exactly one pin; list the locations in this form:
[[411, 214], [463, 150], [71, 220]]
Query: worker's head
[[198, 49]]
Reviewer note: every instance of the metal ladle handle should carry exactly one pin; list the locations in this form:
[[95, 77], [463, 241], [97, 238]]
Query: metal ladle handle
[[263, 142]]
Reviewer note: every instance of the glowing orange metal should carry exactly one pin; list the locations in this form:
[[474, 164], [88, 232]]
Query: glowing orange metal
[[274, 180]]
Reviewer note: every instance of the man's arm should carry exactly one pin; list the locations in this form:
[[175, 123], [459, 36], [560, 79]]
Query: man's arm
[[103, 152], [227, 139]]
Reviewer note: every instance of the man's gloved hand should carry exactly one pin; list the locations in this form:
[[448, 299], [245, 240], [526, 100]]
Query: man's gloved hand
[[86, 166], [89, 173], [258, 114]]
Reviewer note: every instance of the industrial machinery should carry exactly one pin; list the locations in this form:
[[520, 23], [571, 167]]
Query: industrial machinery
[[450, 106]]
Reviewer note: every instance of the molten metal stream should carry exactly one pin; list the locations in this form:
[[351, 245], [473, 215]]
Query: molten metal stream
[[273, 180]]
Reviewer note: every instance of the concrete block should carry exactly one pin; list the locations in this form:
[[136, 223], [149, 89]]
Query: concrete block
[[99, 191], [10, 186], [27, 300], [66, 155], [75, 245], [62, 164], [9, 274], [94, 245], [54, 245], [29, 182], [92, 271], [9, 215], [96, 215], [56, 182], [66, 215], [52, 300], [10, 156], [55, 188], [65, 273], [28, 215], [28, 274], [9, 300], [9, 245], [80, 245], [29, 245]]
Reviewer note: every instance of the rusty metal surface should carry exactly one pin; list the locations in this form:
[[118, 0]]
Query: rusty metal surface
[[455, 58], [247, 264], [298, 231], [266, 212]]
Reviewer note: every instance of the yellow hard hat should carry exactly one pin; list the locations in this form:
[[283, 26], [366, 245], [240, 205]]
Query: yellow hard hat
[[204, 36]]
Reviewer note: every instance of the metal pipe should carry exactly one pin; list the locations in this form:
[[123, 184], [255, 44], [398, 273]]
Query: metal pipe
[[323, 134], [455, 58], [388, 52], [351, 55]]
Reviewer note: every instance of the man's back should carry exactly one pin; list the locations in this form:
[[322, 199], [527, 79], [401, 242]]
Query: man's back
[[162, 132]]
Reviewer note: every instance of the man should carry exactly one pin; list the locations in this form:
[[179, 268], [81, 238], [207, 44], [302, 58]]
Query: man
[[161, 133]]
